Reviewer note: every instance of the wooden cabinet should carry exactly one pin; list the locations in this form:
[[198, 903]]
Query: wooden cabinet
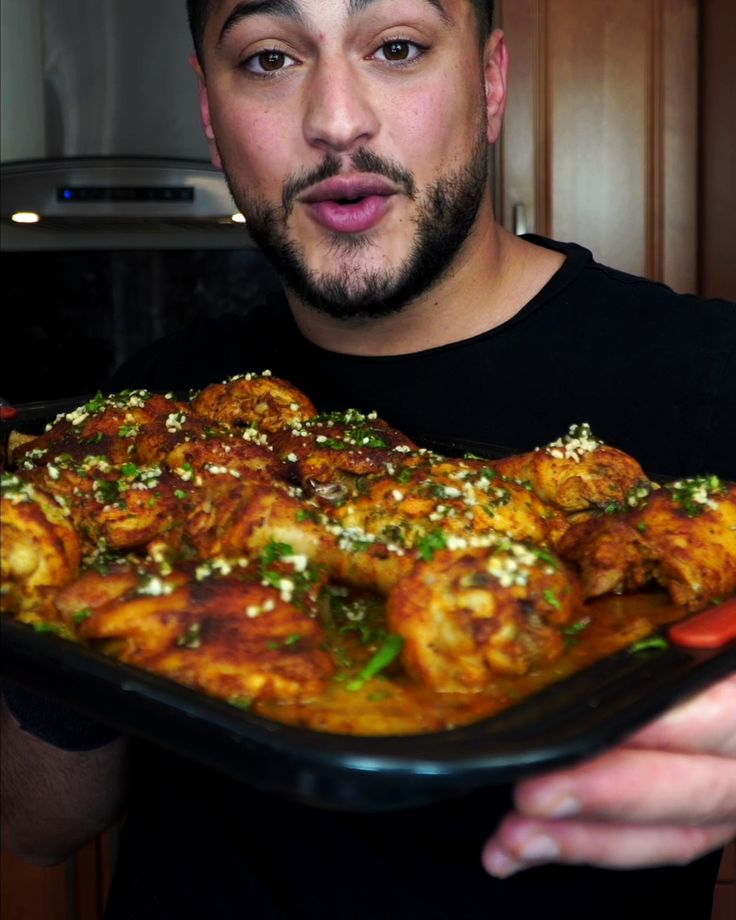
[[601, 135], [74, 890]]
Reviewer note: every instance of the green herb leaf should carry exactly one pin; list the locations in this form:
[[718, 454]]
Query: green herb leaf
[[388, 653], [242, 702], [552, 599], [429, 545], [191, 637], [649, 643]]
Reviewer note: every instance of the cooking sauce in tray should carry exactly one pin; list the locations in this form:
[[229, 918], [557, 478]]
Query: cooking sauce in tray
[[393, 704]]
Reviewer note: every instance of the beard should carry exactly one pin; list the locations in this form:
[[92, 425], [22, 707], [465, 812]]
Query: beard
[[445, 214]]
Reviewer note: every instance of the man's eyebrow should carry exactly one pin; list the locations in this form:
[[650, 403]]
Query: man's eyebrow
[[288, 9], [357, 6]]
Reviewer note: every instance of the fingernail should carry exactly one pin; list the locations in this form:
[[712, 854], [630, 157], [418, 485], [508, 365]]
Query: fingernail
[[562, 808], [556, 806], [540, 849], [500, 864]]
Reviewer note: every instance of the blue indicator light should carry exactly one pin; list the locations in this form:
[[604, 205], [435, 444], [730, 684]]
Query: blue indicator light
[[67, 193]]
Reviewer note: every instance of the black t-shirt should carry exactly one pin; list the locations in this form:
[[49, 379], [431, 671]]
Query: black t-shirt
[[653, 373]]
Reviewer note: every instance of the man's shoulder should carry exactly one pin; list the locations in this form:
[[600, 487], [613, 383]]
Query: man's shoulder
[[583, 275]]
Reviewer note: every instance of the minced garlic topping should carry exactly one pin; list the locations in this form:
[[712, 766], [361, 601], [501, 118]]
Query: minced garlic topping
[[578, 442]]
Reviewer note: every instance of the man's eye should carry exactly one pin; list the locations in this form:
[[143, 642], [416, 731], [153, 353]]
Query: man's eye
[[266, 62], [398, 51]]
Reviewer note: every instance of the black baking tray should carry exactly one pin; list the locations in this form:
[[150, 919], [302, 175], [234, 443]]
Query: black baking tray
[[571, 720]]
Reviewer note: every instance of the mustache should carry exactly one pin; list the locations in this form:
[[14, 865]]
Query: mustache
[[363, 161]]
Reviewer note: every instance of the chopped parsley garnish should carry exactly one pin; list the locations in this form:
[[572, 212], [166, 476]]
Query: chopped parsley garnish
[[191, 637], [385, 656], [49, 628], [696, 495], [573, 631], [545, 556], [96, 404], [651, 642], [107, 491], [242, 702], [273, 552], [429, 545], [552, 599]]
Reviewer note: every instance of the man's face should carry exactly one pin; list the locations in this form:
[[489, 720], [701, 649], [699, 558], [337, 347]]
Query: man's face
[[353, 137]]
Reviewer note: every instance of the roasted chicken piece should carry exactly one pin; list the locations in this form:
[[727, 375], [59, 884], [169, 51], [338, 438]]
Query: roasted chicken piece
[[258, 401], [403, 509], [329, 452], [682, 537], [40, 550], [233, 455], [106, 426], [469, 615], [122, 507], [234, 639], [236, 517], [398, 519], [577, 473], [189, 441]]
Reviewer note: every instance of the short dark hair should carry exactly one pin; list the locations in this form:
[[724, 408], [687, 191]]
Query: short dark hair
[[198, 11]]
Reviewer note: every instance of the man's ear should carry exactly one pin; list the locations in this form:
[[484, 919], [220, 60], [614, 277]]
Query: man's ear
[[496, 69], [204, 112]]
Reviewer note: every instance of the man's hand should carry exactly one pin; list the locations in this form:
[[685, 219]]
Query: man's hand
[[666, 796]]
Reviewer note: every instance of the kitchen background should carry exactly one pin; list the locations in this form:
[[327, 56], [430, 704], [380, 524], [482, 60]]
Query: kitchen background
[[101, 137], [620, 133]]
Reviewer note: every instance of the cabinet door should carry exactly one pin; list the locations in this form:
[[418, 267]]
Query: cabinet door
[[600, 141]]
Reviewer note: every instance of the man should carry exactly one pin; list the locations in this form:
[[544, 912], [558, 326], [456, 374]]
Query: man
[[354, 137]]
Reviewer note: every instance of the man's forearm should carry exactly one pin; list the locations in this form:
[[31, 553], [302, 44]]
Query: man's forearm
[[54, 800]]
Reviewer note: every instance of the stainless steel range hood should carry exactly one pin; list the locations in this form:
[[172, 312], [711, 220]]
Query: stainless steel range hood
[[100, 127]]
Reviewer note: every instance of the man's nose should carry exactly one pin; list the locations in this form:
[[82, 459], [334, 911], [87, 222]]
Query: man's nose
[[339, 113]]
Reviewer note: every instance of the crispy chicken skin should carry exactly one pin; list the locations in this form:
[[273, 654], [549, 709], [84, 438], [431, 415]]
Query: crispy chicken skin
[[398, 519], [39, 551], [234, 639], [122, 507], [576, 473], [241, 517], [468, 615], [404, 509], [260, 401], [338, 447], [190, 442], [683, 537], [105, 426]]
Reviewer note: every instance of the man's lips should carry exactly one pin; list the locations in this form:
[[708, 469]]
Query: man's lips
[[347, 188], [349, 204]]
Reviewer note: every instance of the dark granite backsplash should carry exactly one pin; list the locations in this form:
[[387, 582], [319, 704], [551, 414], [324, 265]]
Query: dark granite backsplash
[[69, 318]]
